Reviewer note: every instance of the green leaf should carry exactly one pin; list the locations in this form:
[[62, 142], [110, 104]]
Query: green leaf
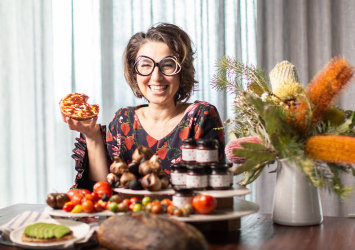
[[251, 176]]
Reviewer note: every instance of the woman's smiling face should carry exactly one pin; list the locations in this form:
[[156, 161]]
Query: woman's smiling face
[[157, 88]]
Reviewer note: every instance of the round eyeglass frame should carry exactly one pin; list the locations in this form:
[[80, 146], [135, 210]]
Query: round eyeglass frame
[[157, 64]]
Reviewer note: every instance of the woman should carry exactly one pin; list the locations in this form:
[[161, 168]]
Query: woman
[[158, 66]]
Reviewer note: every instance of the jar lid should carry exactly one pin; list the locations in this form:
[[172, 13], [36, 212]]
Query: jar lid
[[197, 167], [178, 166], [221, 165], [189, 141], [207, 143]]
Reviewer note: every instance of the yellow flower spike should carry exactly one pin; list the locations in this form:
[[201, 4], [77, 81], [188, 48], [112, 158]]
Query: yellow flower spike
[[331, 148], [288, 90], [284, 81]]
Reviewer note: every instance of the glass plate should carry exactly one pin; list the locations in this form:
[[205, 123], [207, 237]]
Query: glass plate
[[62, 213], [241, 208]]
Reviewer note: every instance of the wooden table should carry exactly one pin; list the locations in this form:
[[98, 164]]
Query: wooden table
[[257, 232]]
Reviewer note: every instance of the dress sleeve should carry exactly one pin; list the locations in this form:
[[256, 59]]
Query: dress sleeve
[[209, 126], [80, 156], [113, 138]]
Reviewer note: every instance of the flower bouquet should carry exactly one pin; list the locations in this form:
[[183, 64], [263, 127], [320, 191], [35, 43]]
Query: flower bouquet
[[277, 118]]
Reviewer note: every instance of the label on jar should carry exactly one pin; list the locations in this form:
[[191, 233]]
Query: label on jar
[[206, 155], [178, 179], [182, 201], [196, 181], [217, 181], [188, 154]]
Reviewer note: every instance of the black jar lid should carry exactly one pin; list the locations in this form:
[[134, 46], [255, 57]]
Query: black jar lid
[[198, 168], [183, 190], [212, 143], [220, 165], [189, 141], [178, 166]]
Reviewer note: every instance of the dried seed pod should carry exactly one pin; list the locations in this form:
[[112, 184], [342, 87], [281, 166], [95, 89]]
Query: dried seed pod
[[126, 179], [164, 179], [135, 185], [118, 166], [140, 153], [155, 164], [112, 179], [151, 182], [145, 168], [133, 167]]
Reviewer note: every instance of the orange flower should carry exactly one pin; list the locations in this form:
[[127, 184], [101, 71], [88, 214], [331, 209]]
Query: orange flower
[[331, 148], [322, 90]]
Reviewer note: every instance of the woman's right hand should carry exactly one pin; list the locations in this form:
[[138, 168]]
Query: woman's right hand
[[87, 127]]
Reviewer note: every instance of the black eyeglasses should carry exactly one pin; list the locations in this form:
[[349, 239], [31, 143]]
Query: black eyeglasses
[[168, 66]]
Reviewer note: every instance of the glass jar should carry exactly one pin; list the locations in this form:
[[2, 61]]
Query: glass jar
[[188, 153], [196, 177], [220, 177], [206, 151], [182, 197], [178, 175]]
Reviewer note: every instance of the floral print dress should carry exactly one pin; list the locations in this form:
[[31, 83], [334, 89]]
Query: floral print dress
[[125, 133]]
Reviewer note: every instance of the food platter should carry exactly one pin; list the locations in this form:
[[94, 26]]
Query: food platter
[[80, 231], [238, 191], [63, 214], [168, 191], [241, 208]]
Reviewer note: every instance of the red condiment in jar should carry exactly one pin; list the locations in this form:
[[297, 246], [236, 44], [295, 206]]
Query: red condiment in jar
[[206, 151], [196, 177], [220, 177], [188, 151], [178, 175]]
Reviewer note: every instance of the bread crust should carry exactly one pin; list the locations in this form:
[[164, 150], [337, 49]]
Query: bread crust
[[148, 231]]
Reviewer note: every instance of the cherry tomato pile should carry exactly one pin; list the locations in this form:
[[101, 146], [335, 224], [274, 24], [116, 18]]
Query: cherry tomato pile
[[82, 200], [102, 198]]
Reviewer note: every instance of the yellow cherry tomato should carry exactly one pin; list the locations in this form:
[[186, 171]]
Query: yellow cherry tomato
[[77, 209]]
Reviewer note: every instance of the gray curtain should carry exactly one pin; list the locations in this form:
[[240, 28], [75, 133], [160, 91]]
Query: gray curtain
[[307, 33]]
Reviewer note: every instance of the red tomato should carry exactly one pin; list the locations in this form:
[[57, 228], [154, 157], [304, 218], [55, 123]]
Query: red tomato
[[88, 197], [166, 202], [204, 204], [77, 192], [133, 200], [103, 187], [88, 206], [95, 196], [72, 192], [76, 199], [68, 206], [157, 209], [170, 209], [104, 205], [131, 206], [98, 207], [126, 201]]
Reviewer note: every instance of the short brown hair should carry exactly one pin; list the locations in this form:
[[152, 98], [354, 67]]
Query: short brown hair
[[178, 42]]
